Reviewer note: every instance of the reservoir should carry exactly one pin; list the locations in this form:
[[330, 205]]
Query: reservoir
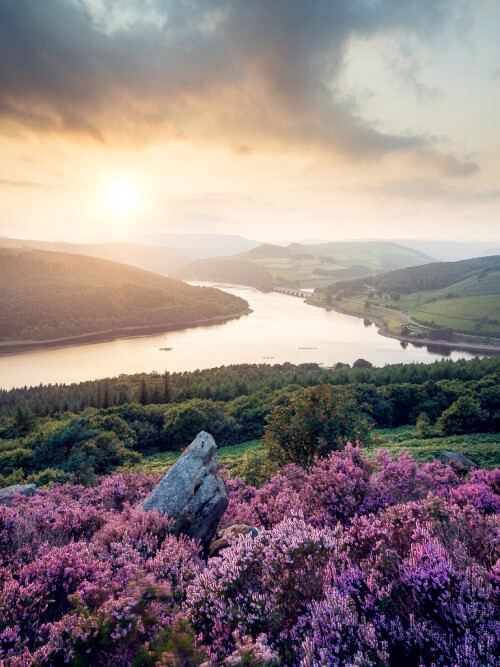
[[281, 328]]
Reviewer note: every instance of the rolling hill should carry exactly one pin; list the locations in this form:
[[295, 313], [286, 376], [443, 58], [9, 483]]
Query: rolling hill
[[161, 253], [150, 258], [305, 266], [47, 295], [443, 297]]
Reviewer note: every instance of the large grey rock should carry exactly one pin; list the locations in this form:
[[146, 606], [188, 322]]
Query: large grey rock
[[457, 459], [191, 494], [8, 491]]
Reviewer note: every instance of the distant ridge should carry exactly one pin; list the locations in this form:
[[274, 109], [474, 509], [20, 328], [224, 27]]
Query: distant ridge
[[153, 253], [306, 266]]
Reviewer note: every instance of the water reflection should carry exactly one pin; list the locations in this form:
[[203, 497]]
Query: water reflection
[[281, 328]]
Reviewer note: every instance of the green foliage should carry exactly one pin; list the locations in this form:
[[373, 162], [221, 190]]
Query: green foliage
[[446, 297], [229, 270], [464, 416], [313, 423], [255, 466], [231, 403], [423, 425], [482, 448], [50, 476], [51, 295]]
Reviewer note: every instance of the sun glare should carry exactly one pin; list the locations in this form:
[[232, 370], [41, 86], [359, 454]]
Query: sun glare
[[122, 197]]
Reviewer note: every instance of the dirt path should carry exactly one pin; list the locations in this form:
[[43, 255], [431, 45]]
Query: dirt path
[[403, 315]]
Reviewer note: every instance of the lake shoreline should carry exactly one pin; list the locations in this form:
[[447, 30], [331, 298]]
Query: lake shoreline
[[16, 347], [427, 342]]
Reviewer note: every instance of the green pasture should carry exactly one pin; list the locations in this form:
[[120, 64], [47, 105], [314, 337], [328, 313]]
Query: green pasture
[[162, 462], [482, 448]]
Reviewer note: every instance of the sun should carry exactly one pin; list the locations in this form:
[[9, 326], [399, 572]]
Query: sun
[[122, 197]]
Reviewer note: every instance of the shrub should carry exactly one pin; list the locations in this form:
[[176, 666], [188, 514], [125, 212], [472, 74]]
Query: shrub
[[465, 415], [315, 421]]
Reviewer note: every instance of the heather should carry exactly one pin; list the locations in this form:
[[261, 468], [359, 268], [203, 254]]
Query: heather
[[359, 561]]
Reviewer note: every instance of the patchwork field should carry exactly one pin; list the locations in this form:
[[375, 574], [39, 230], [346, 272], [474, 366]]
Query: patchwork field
[[308, 266], [468, 305]]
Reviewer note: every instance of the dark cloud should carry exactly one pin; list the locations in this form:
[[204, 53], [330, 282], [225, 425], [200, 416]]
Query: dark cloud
[[242, 72]]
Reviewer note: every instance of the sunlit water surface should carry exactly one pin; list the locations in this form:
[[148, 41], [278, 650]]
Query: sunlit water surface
[[281, 328]]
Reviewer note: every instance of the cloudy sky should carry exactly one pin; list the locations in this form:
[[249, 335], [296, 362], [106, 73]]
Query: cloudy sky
[[274, 119]]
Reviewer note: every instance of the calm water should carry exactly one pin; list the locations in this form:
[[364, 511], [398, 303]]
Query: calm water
[[281, 328]]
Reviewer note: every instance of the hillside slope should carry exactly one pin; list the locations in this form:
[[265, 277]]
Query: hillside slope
[[150, 258], [306, 266], [161, 253], [45, 295], [461, 297]]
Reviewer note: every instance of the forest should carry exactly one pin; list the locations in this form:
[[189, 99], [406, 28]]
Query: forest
[[52, 295], [228, 270], [81, 431]]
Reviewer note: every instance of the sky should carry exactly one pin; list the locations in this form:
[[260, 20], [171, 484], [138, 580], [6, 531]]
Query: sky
[[272, 119]]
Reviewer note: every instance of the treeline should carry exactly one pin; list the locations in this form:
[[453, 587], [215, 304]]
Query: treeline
[[47, 295], [228, 270], [228, 382], [437, 275], [460, 397]]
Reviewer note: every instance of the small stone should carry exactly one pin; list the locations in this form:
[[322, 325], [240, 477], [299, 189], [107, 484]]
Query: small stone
[[224, 539], [191, 493], [456, 459], [8, 492]]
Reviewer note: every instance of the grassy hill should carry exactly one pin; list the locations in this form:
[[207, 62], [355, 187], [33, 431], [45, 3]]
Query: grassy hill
[[306, 266], [45, 295], [461, 296]]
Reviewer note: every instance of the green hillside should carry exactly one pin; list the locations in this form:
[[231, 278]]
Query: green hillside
[[228, 270], [45, 295], [305, 266], [461, 296]]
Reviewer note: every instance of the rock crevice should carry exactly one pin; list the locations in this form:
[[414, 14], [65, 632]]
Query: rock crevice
[[191, 493]]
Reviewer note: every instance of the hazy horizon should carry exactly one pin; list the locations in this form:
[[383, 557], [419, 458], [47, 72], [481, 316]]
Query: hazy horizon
[[284, 120]]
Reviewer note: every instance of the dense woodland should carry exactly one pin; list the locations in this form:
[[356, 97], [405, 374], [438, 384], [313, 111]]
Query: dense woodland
[[228, 270], [82, 430], [51, 295]]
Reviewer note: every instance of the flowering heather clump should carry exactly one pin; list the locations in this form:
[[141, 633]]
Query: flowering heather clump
[[358, 562]]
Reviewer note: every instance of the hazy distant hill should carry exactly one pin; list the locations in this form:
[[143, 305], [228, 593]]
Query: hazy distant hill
[[161, 253], [46, 295], [305, 265], [462, 296], [151, 258]]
